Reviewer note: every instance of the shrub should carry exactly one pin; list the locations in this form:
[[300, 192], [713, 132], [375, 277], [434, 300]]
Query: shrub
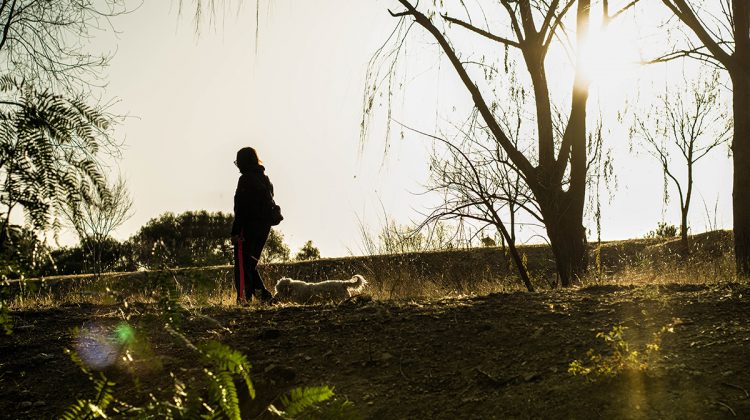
[[308, 252], [663, 231], [622, 357]]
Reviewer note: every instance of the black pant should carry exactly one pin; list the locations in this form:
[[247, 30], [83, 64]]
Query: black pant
[[251, 245]]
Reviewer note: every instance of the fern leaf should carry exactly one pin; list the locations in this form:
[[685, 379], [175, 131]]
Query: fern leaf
[[227, 359], [75, 411], [302, 399], [223, 393]]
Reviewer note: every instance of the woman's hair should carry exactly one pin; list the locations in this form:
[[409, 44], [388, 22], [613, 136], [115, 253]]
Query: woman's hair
[[247, 159]]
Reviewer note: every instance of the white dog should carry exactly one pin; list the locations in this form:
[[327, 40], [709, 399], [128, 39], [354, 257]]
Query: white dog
[[288, 290]]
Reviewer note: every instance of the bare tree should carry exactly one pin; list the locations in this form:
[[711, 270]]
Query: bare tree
[[692, 123], [472, 178], [556, 174], [45, 40], [479, 183], [95, 220], [722, 29], [393, 238]]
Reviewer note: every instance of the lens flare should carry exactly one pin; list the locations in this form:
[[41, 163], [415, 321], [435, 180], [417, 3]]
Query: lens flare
[[125, 333], [98, 347]]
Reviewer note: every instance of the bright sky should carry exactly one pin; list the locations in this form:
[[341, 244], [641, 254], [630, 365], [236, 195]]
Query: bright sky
[[194, 101]]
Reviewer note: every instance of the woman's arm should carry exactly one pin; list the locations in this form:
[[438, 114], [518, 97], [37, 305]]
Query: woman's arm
[[241, 204]]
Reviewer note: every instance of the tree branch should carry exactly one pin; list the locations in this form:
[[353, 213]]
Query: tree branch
[[513, 153], [625, 8], [6, 29], [399, 14], [482, 32], [685, 13], [513, 20], [548, 18], [558, 21]]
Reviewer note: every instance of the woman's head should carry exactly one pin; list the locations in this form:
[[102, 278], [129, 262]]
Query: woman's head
[[247, 159]]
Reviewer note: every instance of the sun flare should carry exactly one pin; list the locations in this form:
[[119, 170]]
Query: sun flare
[[609, 54]]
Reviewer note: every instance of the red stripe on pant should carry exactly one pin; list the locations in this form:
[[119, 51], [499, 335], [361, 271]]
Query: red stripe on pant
[[241, 260]]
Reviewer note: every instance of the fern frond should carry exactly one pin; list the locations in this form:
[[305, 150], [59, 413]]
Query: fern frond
[[303, 399], [223, 393], [8, 83], [229, 360], [76, 411]]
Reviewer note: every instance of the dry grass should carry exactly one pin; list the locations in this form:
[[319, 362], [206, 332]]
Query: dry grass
[[407, 277]]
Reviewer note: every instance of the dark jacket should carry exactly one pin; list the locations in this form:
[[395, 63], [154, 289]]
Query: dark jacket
[[252, 200]]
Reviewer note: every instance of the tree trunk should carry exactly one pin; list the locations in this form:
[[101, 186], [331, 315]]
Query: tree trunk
[[741, 157], [567, 236], [522, 271], [685, 205], [685, 247], [563, 216]]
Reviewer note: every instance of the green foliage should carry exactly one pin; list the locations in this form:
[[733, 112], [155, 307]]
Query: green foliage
[[663, 231], [187, 399], [488, 242], [275, 249], [190, 239], [112, 254], [301, 399], [313, 402], [308, 252], [194, 239], [49, 149], [23, 255], [93, 408], [221, 365], [622, 358], [225, 364]]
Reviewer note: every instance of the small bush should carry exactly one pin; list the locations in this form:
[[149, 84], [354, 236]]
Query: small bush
[[663, 231], [622, 357]]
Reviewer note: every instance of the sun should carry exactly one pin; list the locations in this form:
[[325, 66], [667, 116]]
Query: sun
[[609, 55]]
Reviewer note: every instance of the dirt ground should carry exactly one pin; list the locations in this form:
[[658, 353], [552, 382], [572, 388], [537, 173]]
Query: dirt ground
[[495, 356]]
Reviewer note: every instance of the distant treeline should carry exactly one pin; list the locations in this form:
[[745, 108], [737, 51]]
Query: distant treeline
[[189, 239]]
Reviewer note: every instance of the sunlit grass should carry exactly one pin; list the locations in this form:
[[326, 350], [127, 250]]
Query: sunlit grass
[[412, 276]]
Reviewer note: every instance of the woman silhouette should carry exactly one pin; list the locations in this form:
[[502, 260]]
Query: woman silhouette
[[252, 203]]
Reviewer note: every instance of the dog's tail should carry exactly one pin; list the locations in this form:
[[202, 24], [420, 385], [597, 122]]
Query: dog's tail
[[357, 283]]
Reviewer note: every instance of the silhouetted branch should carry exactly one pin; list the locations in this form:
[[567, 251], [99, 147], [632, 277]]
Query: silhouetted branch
[[399, 14], [685, 13], [516, 156], [482, 32]]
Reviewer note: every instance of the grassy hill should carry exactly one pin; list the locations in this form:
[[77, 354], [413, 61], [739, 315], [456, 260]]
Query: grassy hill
[[440, 273]]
